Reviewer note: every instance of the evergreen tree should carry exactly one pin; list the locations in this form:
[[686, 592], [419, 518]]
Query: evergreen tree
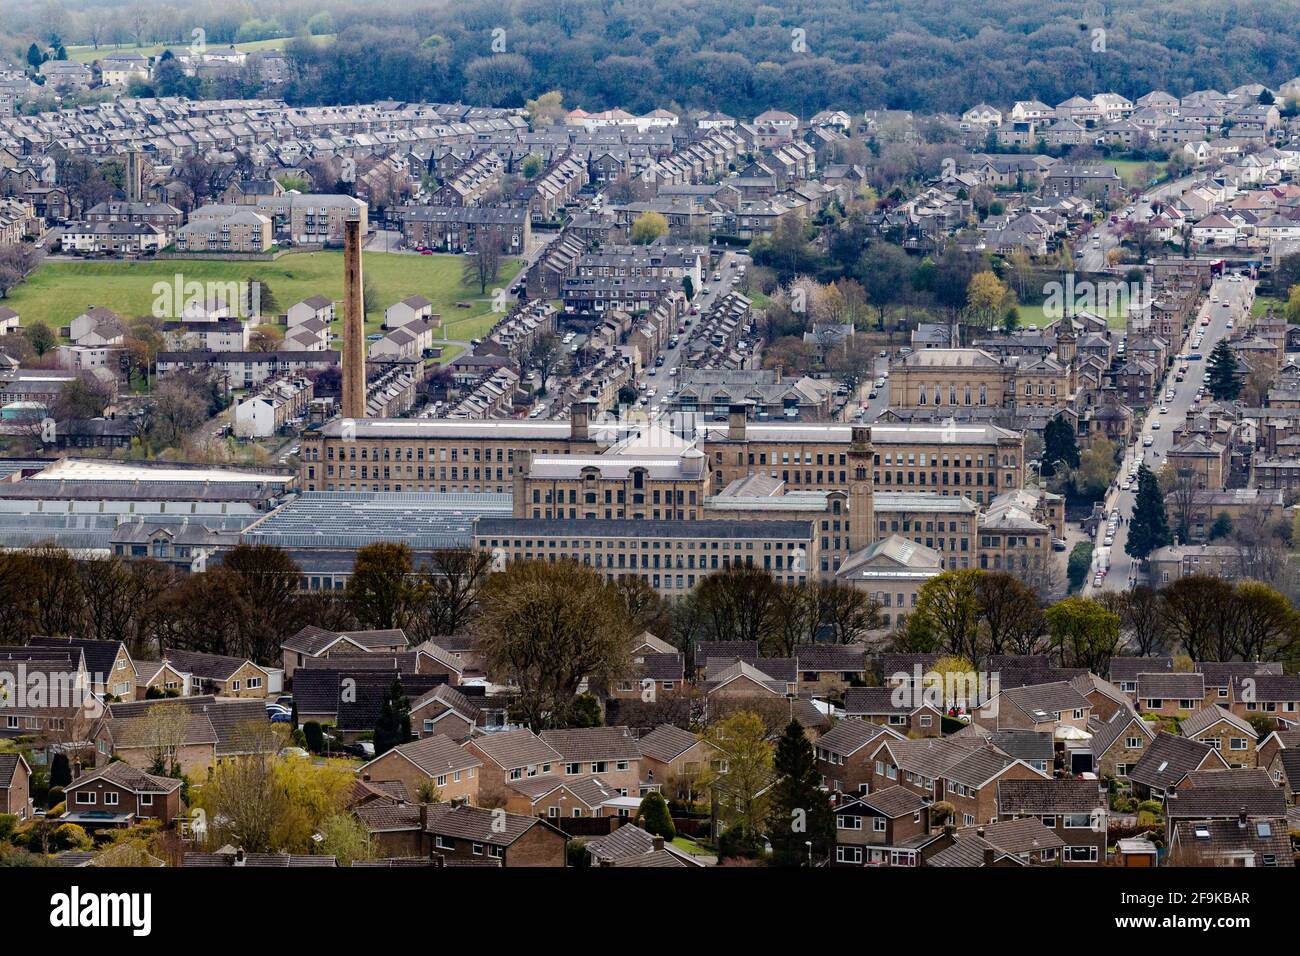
[[34, 57], [1149, 526], [1059, 446], [653, 817], [393, 727], [1222, 526], [1224, 382], [60, 771], [801, 811]]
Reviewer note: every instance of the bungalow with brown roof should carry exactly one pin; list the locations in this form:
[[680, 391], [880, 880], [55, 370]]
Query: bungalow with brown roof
[[218, 674]]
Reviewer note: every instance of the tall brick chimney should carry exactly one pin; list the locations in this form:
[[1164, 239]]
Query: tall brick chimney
[[354, 323]]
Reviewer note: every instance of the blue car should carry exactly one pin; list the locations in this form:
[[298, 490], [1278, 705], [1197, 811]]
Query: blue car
[[281, 718]]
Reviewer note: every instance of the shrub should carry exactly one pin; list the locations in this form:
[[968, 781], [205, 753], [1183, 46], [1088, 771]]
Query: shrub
[[738, 842], [314, 736], [69, 836], [653, 817]]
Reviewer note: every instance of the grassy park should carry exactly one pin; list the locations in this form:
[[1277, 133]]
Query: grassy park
[[59, 291]]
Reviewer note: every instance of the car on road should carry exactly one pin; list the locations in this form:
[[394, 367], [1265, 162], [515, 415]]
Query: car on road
[[872, 394], [1164, 409], [1096, 582], [1058, 544], [1125, 485], [429, 252], [1147, 441]]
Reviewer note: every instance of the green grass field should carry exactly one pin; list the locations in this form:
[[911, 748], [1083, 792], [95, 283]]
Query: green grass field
[[1034, 315], [60, 291], [1130, 170], [1263, 303], [88, 54]]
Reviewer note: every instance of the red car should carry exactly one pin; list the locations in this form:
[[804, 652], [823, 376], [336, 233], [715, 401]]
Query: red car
[[426, 252]]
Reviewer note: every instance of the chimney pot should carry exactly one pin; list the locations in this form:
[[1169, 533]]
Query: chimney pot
[[988, 856], [658, 843]]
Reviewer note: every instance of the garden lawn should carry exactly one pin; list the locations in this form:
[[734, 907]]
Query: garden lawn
[[59, 291], [1130, 170]]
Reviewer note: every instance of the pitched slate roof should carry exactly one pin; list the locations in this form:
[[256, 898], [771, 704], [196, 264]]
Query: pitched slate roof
[[434, 755], [593, 743], [124, 775], [1106, 732], [830, 657], [627, 841], [1167, 760], [1225, 778], [1290, 760], [1042, 701], [875, 701], [1266, 687], [214, 667], [661, 667], [851, 735], [8, 768], [388, 816], [1200, 803], [1055, 795], [1024, 745], [893, 801], [1171, 686], [1128, 668], [1025, 835], [745, 650], [478, 824], [969, 851], [313, 640], [1207, 717], [516, 748], [1221, 673], [99, 655], [1217, 839], [218, 720], [450, 698], [666, 743]]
